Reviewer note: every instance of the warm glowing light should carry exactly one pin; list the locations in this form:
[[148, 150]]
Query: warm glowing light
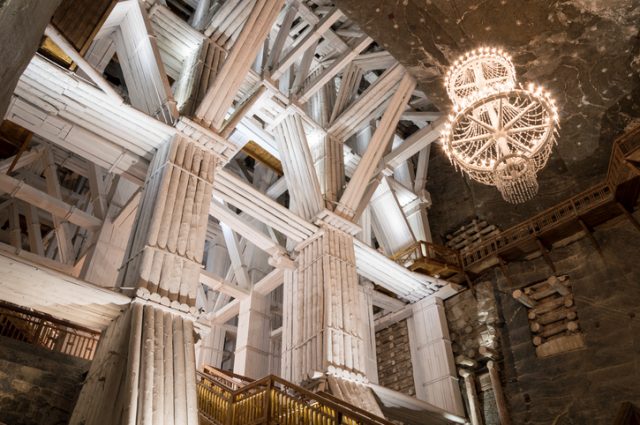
[[498, 134]]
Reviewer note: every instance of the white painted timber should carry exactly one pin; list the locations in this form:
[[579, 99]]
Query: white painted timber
[[57, 294]]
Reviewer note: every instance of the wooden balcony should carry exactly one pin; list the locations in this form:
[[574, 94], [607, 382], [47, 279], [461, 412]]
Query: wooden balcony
[[433, 260], [616, 195], [48, 332]]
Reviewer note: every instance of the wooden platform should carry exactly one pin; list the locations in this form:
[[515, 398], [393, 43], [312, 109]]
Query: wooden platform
[[616, 195], [57, 294]]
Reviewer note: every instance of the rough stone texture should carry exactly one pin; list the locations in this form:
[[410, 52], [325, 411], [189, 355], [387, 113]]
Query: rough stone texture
[[584, 386], [394, 359], [584, 51], [37, 386], [22, 24], [474, 320]]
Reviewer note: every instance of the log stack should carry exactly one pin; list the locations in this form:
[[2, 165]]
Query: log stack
[[165, 254], [552, 315], [471, 235], [322, 329], [143, 371]]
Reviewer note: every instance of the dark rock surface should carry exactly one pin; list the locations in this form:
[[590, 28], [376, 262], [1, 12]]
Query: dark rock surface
[[585, 386], [22, 23], [587, 53], [37, 386]]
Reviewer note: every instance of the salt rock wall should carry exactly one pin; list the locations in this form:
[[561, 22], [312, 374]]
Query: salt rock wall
[[37, 386]]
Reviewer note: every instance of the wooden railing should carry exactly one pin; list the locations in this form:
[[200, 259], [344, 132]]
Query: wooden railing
[[571, 209], [272, 400], [568, 210], [427, 250], [45, 331]]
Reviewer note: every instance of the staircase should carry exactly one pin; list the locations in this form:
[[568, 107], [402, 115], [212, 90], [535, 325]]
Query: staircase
[[225, 398], [228, 399]]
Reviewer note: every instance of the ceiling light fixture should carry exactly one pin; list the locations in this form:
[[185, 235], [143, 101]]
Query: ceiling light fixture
[[498, 134]]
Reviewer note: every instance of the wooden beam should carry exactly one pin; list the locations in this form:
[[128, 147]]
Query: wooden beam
[[629, 216], [16, 162], [226, 313], [386, 302], [221, 285], [306, 41], [239, 270], [545, 253], [220, 94], [58, 208], [245, 230], [270, 282], [70, 51], [381, 138], [415, 143], [338, 64], [589, 233]]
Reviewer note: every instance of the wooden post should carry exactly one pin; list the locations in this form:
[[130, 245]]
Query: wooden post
[[589, 234], [505, 271], [629, 216], [545, 254], [472, 397], [496, 384]]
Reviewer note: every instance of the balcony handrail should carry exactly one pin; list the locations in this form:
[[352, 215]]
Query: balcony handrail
[[570, 209], [270, 389], [48, 332]]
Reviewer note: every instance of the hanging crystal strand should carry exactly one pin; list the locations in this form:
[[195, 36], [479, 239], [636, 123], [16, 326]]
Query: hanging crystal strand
[[498, 134]]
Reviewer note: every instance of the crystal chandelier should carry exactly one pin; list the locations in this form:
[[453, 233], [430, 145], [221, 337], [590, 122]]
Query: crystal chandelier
[[498, 134]]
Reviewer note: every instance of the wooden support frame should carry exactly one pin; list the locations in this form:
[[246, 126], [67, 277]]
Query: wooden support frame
[[628, 215], [545, 254], [592, 239]]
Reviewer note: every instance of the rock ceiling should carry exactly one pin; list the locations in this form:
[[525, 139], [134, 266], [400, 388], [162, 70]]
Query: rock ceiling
[[586, 52]]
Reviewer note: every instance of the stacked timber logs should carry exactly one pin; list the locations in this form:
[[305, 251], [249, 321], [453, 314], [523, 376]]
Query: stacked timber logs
[[471, 235], [143, 371], [553, 318], [473, 326], [165, 254], [475, 334], [322, 330]]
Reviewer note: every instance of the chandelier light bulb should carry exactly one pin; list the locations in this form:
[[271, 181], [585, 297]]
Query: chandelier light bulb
[[498, 134]]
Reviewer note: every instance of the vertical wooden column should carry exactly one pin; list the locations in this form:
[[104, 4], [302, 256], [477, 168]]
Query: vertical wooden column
[[210, 350], [143, 372], [254, 337], [368, 331], [496, 384], [299, 172], [434, 371], [144, 369], [164, 256], [472, 397], [329, 156], [322, 329]]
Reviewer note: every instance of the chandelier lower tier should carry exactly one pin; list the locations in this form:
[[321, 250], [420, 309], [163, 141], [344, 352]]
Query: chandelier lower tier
[[498, 134]]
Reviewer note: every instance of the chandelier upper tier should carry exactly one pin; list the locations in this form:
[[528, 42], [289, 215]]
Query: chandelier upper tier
[[498, 133]]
